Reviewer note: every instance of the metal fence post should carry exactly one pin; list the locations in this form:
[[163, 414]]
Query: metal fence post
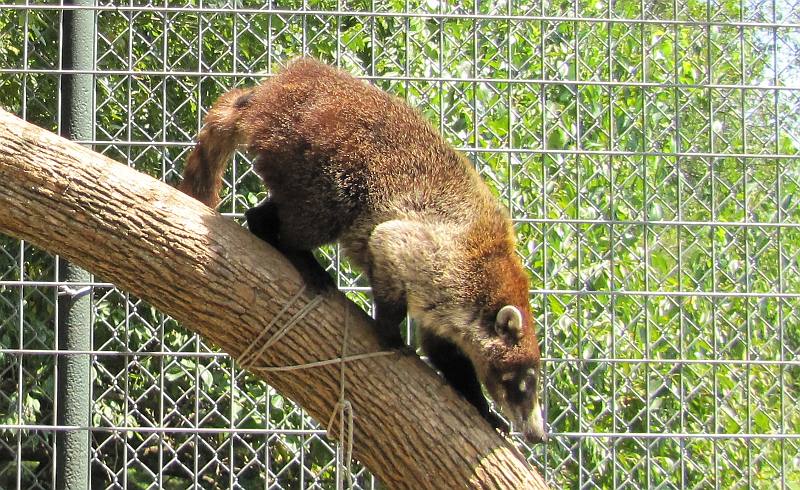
[[74, 303]]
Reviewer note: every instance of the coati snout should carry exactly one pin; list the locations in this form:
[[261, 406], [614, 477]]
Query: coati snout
[[347, 162]]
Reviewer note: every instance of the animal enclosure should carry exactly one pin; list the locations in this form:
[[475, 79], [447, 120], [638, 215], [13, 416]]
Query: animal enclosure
[[648, 153]]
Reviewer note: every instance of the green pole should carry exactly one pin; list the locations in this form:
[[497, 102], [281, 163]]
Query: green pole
[[74, 302]]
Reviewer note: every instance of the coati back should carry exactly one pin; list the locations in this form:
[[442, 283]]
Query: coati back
[[347, 162]]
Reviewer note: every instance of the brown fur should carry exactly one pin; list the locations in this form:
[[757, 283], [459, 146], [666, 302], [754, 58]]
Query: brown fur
[[347, 162]]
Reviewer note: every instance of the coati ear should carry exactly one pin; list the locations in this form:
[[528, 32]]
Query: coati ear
[[508, 323]]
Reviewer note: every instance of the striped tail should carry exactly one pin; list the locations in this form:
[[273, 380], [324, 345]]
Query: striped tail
[[218, 139]]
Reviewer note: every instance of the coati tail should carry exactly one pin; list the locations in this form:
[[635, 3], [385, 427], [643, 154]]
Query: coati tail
[[219, 137]]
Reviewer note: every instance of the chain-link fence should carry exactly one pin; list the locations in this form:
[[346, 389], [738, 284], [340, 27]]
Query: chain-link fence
[[648, 151]]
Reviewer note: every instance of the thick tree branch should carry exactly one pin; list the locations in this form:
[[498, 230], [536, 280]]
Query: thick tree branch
[[411, 430]]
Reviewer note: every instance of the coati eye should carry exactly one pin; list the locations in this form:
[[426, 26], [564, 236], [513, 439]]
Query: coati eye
[[520, 385], [513, 384]]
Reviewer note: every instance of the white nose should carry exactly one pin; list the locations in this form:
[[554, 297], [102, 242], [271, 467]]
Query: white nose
[[536, 436], [534, 428]]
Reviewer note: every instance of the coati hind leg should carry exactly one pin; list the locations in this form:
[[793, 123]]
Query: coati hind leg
[[264, 222], [459, 372]]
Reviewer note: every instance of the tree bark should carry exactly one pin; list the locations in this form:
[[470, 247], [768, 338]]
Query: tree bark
[[410, 429]]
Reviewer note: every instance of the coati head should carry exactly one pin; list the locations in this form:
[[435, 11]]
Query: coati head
[[469, 287], [503, 346], [511, 372], [481, 305]]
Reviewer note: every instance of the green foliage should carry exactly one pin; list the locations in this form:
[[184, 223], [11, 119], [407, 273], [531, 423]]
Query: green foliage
[[648, 157]]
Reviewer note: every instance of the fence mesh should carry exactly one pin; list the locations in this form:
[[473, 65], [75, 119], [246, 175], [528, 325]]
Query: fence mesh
[[649, 154]]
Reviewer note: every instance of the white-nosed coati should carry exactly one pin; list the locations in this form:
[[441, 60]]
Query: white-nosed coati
[[347, 162]]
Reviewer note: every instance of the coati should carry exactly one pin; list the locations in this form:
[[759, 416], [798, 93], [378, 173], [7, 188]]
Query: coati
[[345, 161]]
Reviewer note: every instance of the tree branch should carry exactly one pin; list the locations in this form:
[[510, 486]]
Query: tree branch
[[411, 430]]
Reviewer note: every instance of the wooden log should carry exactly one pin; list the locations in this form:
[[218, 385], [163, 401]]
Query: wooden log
[[410, 428]]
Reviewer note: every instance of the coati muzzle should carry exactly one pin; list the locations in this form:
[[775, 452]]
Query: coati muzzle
[[533, 428]]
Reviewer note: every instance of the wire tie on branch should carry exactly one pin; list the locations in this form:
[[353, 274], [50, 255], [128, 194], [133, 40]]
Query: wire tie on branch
[[74, 294], [250, 355], [343, 406], [345, 413]]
